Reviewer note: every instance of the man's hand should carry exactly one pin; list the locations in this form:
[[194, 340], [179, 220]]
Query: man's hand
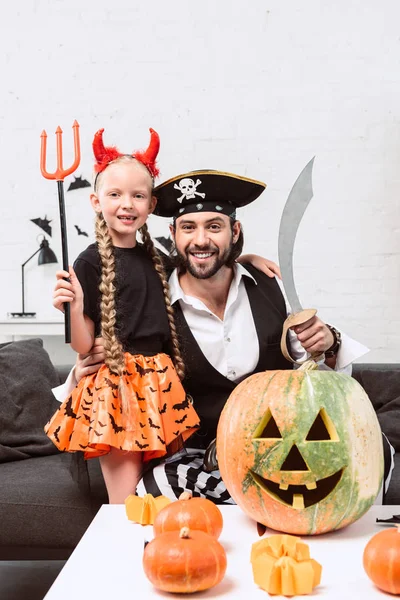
[[86, 364], [314, 335], [262, 264]]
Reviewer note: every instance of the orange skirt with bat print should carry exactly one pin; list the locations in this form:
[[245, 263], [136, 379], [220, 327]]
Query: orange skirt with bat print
[[91, 419]]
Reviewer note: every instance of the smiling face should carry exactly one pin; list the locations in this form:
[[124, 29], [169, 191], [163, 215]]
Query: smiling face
[[123, 195], [204, 242]]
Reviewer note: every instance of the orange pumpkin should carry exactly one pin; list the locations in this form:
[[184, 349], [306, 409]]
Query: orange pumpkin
[[381, 560], [300, 452], [198, 514], [282, 565], [184, 561]]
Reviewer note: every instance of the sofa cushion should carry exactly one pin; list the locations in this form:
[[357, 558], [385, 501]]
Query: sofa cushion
[[26, 400], [41, 504], [383, 389]]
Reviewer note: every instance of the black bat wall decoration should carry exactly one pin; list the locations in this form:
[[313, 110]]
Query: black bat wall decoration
[[78, 183], [80, 231], [43, 224], [181, 405], [117, 428]]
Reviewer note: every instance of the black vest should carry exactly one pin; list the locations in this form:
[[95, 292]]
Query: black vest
[[208, 388]]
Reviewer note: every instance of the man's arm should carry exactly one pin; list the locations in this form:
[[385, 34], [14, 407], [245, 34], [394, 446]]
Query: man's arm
[[85, 364]]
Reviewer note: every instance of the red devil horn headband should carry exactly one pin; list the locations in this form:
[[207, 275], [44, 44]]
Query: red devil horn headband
[[106, 154]]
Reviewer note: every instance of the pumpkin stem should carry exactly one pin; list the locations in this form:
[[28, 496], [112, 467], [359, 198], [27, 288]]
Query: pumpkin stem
[[308, 365], [185, 496], [184, 533]]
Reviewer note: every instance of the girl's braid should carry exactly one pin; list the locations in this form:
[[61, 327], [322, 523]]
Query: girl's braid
[[112, 346], [149, 246]]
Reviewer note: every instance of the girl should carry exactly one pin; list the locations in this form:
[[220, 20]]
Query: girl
[[134, 408]]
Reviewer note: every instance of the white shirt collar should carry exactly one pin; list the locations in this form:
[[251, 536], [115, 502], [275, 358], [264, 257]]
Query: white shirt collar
[[177, 293]]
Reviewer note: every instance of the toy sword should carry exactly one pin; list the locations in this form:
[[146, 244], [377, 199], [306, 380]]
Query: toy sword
[[299, 198]]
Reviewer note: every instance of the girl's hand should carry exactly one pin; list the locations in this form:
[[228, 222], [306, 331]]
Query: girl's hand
[[262, 264], [67, 291]]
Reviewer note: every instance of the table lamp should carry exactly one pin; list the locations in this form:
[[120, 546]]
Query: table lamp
[[46, 256]]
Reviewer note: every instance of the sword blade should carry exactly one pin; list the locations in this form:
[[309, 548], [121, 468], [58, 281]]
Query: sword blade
[[296, 204]]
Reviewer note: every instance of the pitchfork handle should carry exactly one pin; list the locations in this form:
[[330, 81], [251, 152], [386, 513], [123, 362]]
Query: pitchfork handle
[[64, 248]]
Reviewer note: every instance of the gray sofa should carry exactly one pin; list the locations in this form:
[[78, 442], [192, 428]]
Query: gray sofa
[[48, 498]]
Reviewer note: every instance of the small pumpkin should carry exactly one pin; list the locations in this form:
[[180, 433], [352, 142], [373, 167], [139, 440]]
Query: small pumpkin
[[282, 565], [300, 452], [198, 514], [144, 510], [381, 560], [184, 561]]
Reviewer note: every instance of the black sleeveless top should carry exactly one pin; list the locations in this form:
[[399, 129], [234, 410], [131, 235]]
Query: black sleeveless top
[[207, 386]]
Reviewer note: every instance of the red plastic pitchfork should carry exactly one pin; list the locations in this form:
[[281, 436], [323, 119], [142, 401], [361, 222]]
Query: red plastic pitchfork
[[59, 174]]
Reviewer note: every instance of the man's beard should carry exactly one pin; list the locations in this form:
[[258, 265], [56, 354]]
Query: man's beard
[[204, 271]]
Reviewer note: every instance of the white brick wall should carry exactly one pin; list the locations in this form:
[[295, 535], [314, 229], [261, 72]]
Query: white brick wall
[[255, 88]]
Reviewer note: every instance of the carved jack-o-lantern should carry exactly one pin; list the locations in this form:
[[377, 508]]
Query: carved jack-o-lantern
[[300, 452]]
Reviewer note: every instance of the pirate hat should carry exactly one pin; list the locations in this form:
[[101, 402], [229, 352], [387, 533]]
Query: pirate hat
[[205, 191]]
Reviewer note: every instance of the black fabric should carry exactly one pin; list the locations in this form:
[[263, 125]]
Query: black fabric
[[209, 388], [26, 400], [142, 321], [205, 190], [383, 389]]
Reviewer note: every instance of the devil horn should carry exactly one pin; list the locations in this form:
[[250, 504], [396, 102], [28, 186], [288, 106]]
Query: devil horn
[[150, 155], [98, 146]]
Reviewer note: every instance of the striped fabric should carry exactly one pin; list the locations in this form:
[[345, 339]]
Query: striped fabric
[[184, 473]]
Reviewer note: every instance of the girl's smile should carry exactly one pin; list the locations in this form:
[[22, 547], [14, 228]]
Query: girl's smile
[[124, 197]]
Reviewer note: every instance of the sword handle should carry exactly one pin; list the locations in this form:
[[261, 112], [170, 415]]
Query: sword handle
[[293, 320]]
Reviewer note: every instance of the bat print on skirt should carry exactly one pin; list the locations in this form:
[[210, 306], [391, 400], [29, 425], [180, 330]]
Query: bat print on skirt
[[91, 419]]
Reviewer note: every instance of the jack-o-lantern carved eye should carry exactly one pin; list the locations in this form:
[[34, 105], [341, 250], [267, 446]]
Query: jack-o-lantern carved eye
[[267, 428], [323, 429]]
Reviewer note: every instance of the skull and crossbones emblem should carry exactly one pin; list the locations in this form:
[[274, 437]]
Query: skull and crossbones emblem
[[188, 189]]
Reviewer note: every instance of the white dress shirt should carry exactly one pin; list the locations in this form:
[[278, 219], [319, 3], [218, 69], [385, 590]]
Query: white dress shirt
[[231, 344]]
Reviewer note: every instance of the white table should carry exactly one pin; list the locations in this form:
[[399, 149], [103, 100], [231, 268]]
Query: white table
[[107, 563]]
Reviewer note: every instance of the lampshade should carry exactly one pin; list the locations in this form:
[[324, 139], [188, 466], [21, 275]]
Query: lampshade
[[46, 254]]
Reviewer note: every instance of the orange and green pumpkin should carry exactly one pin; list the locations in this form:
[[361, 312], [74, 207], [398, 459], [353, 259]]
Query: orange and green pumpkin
[[300, 452]]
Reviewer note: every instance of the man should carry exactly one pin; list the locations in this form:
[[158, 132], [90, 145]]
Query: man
[[229, 317]]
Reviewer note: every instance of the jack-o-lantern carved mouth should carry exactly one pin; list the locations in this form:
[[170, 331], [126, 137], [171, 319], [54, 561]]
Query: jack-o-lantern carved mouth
[[299, 496]]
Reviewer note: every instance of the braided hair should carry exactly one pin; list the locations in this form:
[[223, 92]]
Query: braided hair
[[149, 246], [112, 346]]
